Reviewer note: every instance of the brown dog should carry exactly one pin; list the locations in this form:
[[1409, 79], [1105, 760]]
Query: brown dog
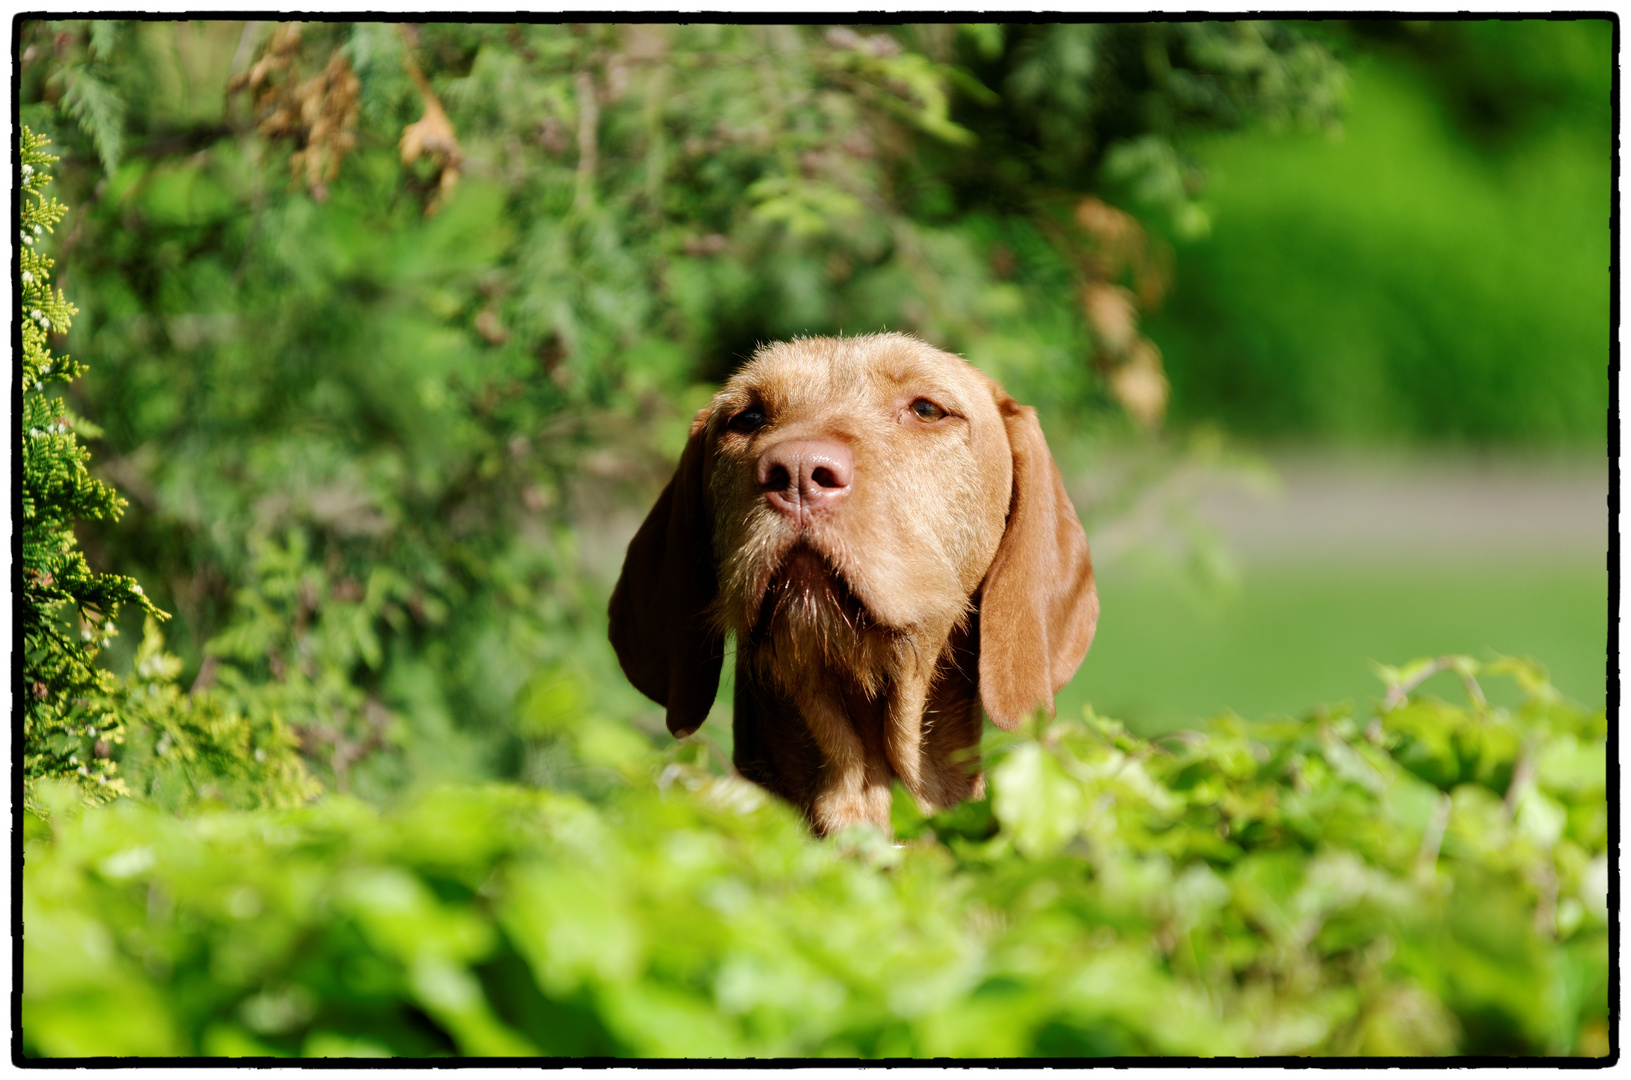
[[885, 534]]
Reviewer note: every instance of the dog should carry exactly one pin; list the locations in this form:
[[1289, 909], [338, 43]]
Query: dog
[[884, 532]]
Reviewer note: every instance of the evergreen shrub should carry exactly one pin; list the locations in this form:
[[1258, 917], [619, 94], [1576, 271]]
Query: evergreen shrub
[[65, 611]]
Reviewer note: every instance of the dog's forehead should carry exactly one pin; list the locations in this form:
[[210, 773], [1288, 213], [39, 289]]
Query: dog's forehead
[[817, 372]]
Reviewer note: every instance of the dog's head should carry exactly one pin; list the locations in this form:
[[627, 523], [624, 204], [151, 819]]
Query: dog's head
[[839, 497]]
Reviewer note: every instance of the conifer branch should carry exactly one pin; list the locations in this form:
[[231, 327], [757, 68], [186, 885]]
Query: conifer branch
[[68, 726]]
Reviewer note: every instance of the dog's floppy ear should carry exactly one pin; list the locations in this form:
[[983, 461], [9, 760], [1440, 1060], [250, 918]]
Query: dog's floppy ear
[[660, 624], [1038, 606]]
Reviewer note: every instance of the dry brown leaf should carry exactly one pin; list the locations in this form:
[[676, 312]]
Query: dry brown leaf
[[431, 136], [489, 326], [1140, 384], [1109, 225], [1113, 313], [320, 113]]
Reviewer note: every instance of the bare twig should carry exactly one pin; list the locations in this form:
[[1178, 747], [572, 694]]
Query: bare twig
[[1522, 773], [1546, 902], [206, 676], [1434, 836], [1397, 694], [245, 43], [588, 140]]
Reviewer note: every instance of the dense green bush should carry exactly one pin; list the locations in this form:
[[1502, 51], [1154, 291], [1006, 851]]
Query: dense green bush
[[1417, 878]]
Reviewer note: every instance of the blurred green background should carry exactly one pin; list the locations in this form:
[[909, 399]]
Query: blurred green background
[[1432, 281], [385, 424]]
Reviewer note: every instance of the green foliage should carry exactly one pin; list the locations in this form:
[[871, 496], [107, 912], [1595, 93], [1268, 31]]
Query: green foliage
[[67, 726], [87, 94], [1126, 94], [175, 748], [201, 749], [1425, 878]]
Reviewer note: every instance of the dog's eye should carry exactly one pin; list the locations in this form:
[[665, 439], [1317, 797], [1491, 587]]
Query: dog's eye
[[749, 419], [926, 410]]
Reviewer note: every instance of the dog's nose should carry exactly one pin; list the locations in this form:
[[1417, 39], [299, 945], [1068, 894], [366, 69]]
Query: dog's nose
[[804, 475]]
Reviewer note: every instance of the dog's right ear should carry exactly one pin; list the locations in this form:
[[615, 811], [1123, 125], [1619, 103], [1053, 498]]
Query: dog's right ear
[[660, 624]]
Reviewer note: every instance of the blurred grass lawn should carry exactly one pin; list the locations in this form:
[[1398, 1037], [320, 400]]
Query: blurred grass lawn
[[1294, 636]]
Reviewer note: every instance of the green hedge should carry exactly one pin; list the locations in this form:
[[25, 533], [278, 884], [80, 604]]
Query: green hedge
[[1418, 877]]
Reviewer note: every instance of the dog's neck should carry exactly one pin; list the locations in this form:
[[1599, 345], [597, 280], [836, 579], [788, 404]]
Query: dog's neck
[[813, 735]]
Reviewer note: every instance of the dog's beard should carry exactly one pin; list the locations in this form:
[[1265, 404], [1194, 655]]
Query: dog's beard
[[808, 609], [809, 620]]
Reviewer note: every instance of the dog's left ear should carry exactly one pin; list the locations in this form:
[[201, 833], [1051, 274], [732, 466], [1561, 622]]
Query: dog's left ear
[[1038, 606], [660, 625]]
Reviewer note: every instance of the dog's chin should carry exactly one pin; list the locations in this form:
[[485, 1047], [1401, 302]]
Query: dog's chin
[[804, 568], [808, 615], [805, 595]]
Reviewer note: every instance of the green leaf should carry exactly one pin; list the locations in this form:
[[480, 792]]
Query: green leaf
[[1037, 802], [100, 111]]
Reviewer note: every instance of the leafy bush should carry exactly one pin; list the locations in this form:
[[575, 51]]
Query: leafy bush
[[1419, 878], [203, 747]]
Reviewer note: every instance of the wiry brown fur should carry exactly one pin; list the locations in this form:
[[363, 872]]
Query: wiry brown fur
[[870, 629]]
